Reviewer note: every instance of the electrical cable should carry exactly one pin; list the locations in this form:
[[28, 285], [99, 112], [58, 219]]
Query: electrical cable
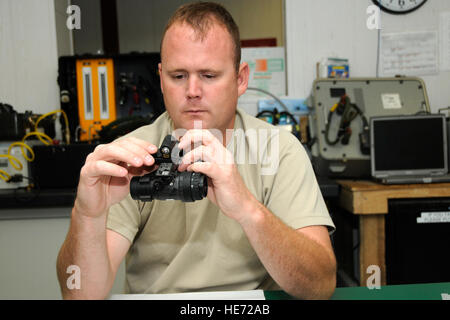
[[378, 51], [275, 114], [4, 175], [15, 163], [348, 111], [272, 95], [32, 191], [78, 128], [66, 120], [39, 134], [272, 116], [377, 72], [22, 145]]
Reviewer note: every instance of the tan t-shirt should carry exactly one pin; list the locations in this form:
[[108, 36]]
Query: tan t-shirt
[[186, 247]]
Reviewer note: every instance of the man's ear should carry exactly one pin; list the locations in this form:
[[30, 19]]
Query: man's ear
[[243, 75], [160, 77]]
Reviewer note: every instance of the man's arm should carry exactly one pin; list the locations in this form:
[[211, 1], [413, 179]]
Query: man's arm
[[301, 261], [96, 251]]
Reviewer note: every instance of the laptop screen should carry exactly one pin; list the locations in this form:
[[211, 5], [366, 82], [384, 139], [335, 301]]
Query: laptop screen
[[408, 144]]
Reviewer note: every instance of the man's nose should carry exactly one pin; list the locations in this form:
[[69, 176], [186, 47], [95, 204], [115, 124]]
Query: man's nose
[[194, 89]]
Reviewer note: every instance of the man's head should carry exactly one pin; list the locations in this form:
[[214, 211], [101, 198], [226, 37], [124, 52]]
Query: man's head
[[201, 74], [200, 16]]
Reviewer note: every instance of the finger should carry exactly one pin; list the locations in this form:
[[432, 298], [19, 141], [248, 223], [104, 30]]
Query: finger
[[133, 171], [103, 168], [197, 136], [144, 144], [200, 153], [114, 152], [207, 168], [140, 149]]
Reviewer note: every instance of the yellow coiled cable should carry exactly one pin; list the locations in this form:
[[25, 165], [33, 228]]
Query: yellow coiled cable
[[15, 163], [66, 120]]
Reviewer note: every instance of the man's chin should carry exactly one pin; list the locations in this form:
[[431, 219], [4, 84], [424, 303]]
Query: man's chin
[[197, 122]]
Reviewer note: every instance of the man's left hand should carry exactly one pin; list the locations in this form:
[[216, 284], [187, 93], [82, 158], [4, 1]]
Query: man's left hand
[[226, 188]]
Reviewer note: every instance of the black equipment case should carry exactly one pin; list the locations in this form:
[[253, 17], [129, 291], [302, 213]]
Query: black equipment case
[[135, 81]]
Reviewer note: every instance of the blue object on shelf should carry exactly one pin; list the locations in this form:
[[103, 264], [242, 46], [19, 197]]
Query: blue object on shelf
[[295, 106]]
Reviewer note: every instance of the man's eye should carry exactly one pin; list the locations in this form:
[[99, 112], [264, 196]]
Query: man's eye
[[178, 76], [209, 76]]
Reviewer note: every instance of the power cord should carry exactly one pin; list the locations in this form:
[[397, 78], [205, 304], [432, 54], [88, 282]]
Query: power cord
[[275, 115], [15, 163], [272, 95], [29, 193], [348, 112]]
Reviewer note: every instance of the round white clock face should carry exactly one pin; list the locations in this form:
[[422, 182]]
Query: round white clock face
[[399, 6]]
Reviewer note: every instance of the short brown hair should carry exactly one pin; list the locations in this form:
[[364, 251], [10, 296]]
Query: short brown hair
[[201, 16]]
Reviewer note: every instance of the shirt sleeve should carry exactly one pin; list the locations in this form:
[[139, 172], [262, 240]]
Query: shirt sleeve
[[292, 192], [126, 217]]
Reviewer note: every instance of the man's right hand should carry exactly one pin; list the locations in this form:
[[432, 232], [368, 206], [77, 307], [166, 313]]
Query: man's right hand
[[106, 175]]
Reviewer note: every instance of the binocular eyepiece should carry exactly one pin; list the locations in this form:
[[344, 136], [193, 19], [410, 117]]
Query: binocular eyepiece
[[166, 183]]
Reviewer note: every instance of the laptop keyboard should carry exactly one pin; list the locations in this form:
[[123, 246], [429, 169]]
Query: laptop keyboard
[[415, 179]]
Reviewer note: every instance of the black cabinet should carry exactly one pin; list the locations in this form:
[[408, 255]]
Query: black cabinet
[[418, 241]]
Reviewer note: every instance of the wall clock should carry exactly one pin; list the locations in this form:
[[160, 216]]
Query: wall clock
[[399, 6]]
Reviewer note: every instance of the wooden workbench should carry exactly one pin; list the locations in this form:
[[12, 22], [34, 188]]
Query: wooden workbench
[[369, 200]]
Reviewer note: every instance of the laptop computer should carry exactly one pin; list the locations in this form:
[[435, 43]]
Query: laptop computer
[[409, 149]]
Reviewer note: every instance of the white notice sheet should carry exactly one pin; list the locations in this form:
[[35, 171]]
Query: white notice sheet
[[410, 54]]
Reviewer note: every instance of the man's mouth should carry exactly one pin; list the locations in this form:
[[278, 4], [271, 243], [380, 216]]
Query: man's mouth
[[195, 111]]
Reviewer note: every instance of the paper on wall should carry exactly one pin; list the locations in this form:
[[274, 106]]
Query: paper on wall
[[445, 40], [410, 54], [267, 71]]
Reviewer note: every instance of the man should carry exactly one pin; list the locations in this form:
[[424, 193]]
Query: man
[[253, 231]]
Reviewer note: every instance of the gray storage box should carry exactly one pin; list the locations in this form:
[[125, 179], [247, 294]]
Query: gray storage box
[[374, 97]]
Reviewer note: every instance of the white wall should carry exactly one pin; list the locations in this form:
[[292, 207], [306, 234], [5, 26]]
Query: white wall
[[28, 55], [28, 253], [29, 249], [321, 28]]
